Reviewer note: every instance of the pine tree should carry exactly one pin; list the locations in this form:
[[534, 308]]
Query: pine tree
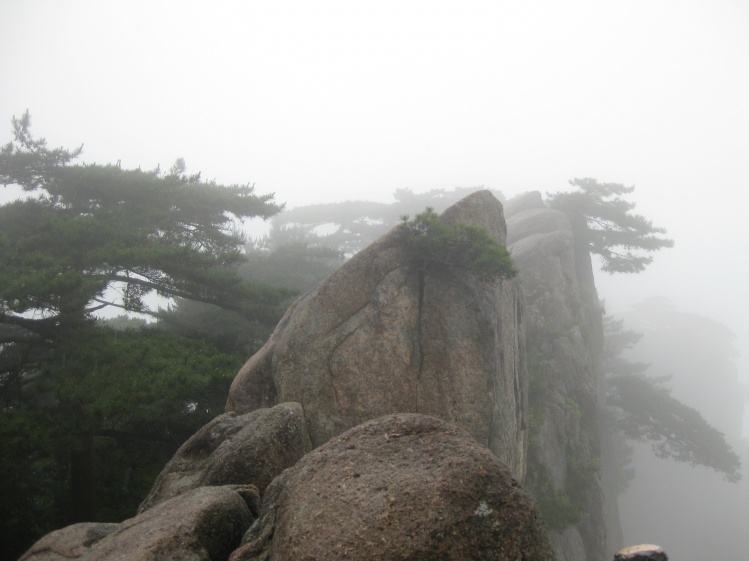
[[76, 394], [603, 220]]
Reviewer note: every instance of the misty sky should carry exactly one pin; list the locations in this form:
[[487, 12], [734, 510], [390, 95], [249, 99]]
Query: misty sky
[[321, 101]]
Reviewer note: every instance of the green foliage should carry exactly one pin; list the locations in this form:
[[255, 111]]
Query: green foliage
[[91, 237], [603, 219], [139, 382], [456, 245], [563, 508], [31, 497], [582, 478], [97, 236], [573, 407], [137, 394], [296, 267], [558, 510]]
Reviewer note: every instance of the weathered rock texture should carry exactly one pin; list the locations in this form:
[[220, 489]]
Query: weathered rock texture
[[204, 524], [564, 337], [71, 542], [381, 336], [404, 486], [233, 449]]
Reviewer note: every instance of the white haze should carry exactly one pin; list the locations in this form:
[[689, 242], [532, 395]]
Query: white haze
[[328, 101], [322, 101]]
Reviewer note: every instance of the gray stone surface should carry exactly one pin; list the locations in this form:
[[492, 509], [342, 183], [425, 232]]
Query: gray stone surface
[[564, 338], [381, 336], [568, 544], [203, 524], [71, 542], [403, 486], [249, 449]]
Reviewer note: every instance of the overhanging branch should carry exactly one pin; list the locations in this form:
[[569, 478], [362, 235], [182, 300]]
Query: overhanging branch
[[177, 293]]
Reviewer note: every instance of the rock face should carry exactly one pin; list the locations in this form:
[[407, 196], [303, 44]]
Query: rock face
[[380, 336], [564, 337], [71, 542], [232, 449], [400, 487], [204, 524]]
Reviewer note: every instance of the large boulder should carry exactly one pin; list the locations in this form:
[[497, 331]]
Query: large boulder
[[205, 524], [381, 335], [249, 449], [404, 486]]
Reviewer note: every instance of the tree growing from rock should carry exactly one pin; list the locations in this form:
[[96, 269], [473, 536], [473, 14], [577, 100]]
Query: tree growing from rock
[[458, 246], [603, 219]]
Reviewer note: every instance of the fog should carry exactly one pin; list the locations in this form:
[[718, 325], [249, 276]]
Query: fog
[[689, 510], [337, 100]]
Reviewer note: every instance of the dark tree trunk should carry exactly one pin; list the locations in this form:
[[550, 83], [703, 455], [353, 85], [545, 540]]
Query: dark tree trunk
[[82, 480]]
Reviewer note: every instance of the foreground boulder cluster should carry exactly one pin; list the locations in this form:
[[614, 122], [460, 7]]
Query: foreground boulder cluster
[[403, 486], [384, 419]]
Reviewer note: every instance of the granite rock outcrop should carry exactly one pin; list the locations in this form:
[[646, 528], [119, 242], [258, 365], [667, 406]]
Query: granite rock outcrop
[[382, 335], [388, 416], [403, 486], [204, 524]]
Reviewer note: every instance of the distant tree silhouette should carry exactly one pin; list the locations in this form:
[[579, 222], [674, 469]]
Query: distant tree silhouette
[[643, 409]]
